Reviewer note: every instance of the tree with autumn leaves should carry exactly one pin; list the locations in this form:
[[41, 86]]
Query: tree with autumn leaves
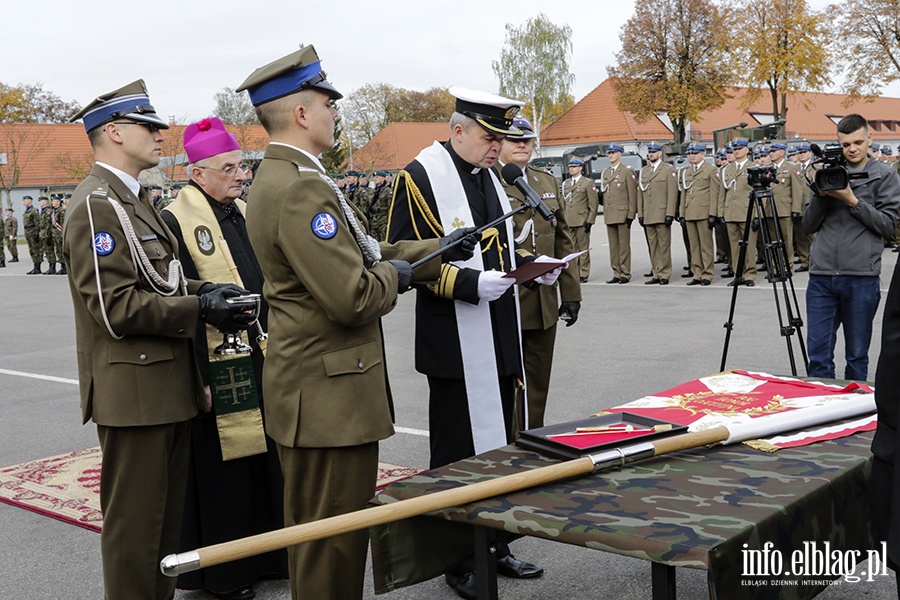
[[671, 61], [679, 57]]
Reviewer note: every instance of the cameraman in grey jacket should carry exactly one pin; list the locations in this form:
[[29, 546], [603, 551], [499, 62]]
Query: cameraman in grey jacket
[[845, 265]]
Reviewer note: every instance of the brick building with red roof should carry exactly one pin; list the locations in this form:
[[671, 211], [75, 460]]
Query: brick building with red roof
[[810, 116]]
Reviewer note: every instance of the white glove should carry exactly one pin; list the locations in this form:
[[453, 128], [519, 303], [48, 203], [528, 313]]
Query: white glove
[[492, 285], [551, 277]]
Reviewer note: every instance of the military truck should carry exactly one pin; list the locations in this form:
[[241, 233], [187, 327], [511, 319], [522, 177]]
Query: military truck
[[759, 133]]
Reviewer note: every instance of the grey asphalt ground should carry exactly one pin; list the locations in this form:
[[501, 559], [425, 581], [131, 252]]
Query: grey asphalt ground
[[630, 340]]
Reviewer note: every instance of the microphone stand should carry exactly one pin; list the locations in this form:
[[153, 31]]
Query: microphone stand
[[478, 232], [527, 203]]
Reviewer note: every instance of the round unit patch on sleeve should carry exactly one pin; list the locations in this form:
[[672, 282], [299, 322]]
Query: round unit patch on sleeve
[[104, 243], [324, 226]]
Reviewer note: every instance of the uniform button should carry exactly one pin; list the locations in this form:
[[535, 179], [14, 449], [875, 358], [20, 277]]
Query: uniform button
[[143, 357], [157, 252], [361, 365], [181, 330]]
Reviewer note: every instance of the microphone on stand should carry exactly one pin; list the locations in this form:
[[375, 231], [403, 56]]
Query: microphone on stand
[[513, 176]]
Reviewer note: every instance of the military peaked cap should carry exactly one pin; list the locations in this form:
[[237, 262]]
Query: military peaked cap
[[494, 113], [297, 71], [129, 102]]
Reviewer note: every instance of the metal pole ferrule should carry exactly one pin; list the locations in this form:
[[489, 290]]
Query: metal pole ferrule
[[174, 565], [619, 457]]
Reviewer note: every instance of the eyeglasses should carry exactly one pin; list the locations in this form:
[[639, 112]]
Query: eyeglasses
[[153, 128], [230, 170]]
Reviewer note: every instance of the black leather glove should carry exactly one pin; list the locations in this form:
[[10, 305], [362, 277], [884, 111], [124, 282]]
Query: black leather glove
[[587, 227], [754, 224], [720, 220], [463, 250], [628, 223], [568, 312], [682, 220], [796, 217], [711, 221], [669, 221], [404, 274], [218, 312], [641, 221]]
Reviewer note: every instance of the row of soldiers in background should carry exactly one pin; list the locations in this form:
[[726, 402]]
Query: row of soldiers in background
[[43, 232], [374, 202], [710, 202]]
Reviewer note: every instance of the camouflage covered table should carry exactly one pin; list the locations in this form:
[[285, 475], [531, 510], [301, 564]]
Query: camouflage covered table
[[692, 509]]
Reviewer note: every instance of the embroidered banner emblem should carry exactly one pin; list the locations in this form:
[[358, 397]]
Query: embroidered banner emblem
[[104, 243], [324, 226]]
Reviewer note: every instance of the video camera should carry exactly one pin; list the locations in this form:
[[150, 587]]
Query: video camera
[[761, 177], [832, 175]]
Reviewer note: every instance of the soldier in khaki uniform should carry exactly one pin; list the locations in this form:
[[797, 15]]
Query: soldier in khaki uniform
[[540, 306], [790, 193], [720, 233], [10, 236], [802, 238], [135, 322], [657, 200], [581, 204], [699, 184], [733, 208], [327, 284], [619, 188]]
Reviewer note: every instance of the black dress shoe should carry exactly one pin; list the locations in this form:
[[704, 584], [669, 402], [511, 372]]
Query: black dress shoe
[[511, 566], [735, 282], [728, 273], [719, 261], [14, 259], [685, 268], [663, 282], [623, 280], [244, 593], [464, 584], [613, 280], [648, 274], [694, 282], [801, 269], [749, 283], [705, 282], [688, 274], [583, 280], [653, 281], [897, 249], [761, 268]]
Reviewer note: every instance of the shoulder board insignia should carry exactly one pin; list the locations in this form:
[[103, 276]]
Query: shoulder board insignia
[[104, 243], [324, 226]]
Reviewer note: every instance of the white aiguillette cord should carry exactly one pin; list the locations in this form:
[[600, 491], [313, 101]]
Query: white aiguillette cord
[[142, 264]]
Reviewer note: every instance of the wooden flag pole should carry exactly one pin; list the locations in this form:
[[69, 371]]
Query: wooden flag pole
[[730, 432], [184, 562]]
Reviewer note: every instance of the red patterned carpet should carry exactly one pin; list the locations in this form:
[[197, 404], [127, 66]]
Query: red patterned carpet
[[67, 487]]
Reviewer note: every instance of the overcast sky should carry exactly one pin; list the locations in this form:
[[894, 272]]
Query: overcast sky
[[187, 51]]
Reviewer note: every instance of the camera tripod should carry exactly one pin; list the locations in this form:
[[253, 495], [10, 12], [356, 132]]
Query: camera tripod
[[779, 270]]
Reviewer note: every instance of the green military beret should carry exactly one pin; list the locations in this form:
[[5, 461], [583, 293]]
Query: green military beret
[[381, 173]]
